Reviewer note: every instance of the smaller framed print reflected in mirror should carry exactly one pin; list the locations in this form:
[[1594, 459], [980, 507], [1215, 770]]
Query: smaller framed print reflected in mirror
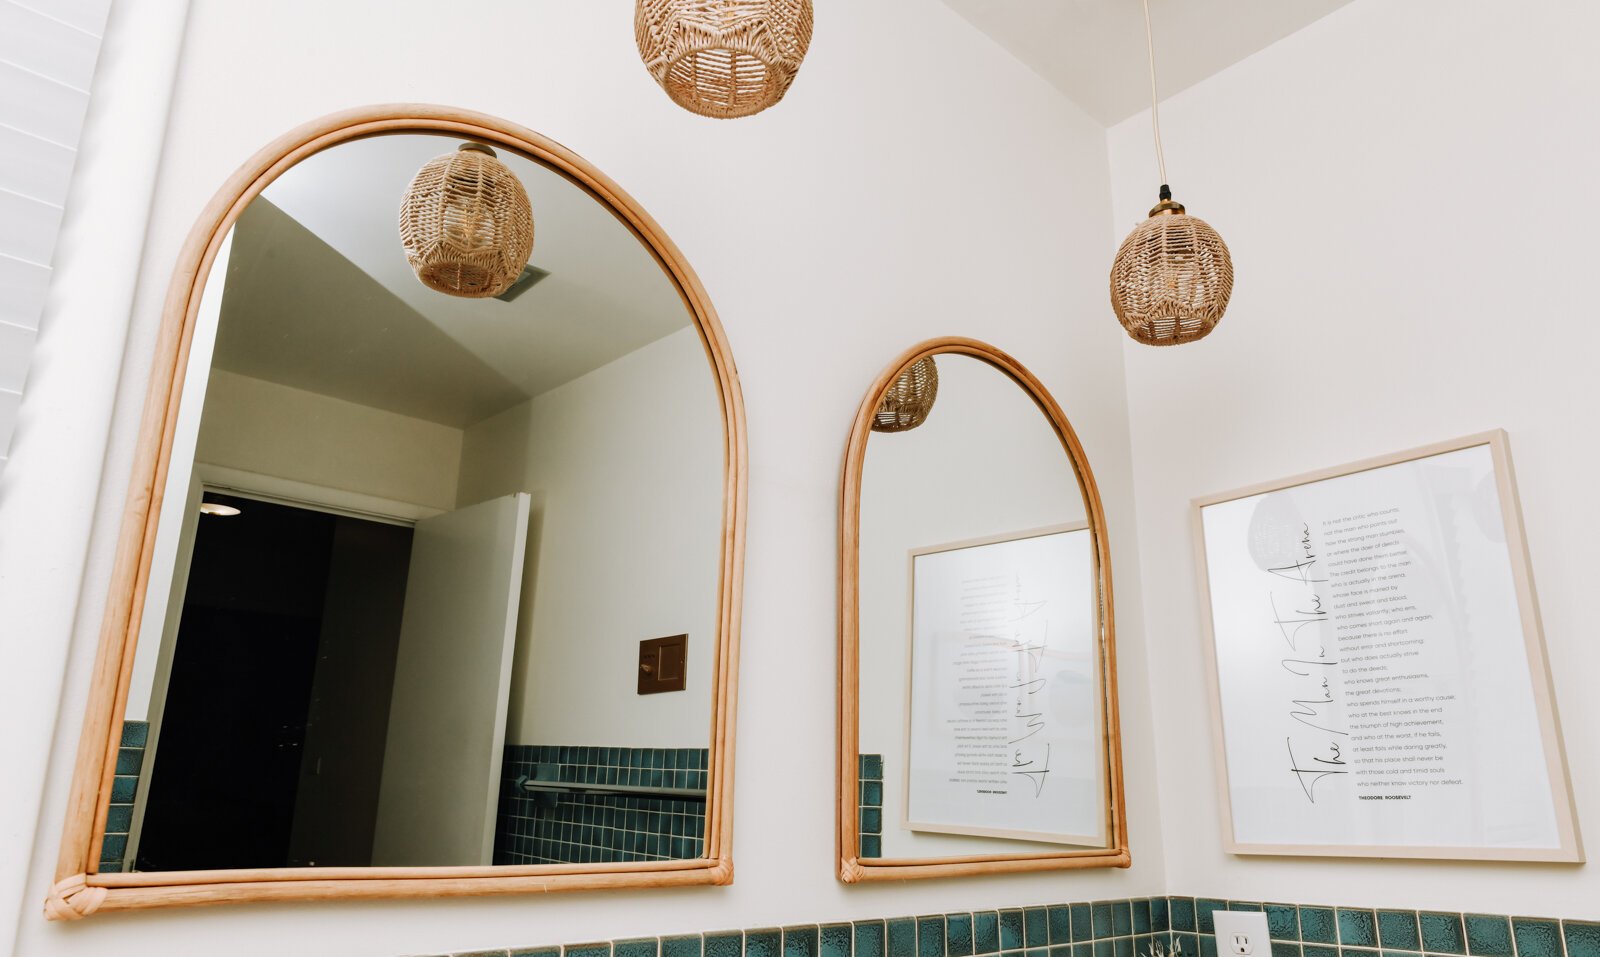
[[1006, 689]]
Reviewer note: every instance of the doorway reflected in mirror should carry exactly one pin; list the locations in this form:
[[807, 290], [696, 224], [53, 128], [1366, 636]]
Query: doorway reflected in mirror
[[410, 543]]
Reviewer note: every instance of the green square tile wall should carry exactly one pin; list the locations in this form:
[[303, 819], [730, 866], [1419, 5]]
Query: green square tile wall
[[125, 783], [1322, 930], [1125, 928], [600, 828], [870, 810]]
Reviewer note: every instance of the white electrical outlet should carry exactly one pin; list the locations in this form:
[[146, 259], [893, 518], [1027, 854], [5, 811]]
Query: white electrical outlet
[[1242, 933]]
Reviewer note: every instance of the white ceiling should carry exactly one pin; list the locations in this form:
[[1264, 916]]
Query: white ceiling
[[297, 313], [1094, 50], [320, 296]]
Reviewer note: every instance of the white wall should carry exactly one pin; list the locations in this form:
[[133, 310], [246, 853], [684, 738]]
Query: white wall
[[985, 462], [906, 187], [1402, 188], [253, 425], [625, 465]]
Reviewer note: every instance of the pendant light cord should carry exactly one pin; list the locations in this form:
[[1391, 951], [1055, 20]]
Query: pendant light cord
[[1155, 109]]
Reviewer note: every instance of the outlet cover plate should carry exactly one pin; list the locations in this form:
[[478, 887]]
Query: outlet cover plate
[[1242, 933]]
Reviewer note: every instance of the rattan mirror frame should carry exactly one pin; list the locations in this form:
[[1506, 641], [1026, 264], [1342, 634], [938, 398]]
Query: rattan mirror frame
[[79, 890], [852, 867]]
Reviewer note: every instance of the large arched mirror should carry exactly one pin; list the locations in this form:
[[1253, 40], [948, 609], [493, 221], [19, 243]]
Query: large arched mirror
[[978, 719], [426, 587]]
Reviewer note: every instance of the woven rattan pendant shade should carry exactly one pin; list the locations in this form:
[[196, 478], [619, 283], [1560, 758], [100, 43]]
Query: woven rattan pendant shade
[[466, 224], [908, 401], [723, 58], [1171, 279]]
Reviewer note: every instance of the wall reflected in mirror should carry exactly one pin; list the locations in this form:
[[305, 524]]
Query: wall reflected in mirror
[[410, 545], [981, 683]]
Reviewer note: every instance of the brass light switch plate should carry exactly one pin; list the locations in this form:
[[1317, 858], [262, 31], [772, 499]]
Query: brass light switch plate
[[662, 664]]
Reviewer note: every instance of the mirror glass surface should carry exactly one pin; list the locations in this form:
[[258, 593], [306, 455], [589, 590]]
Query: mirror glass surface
[[981, 678], [415, 551]]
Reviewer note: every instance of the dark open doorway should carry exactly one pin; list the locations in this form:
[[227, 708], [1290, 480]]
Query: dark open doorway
[[272, 738]]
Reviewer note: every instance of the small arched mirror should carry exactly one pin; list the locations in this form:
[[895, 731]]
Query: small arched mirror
[[430, 569], [978, 721]]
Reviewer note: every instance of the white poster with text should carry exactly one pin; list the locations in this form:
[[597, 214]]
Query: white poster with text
[[1373, 666], [1006, 736]]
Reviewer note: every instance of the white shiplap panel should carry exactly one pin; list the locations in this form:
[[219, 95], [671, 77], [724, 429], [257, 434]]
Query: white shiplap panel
[[87, 15], [48, 51], [47, 46], [34, 167], [22, 291], [16, 347], [41, 106], [30, 228]]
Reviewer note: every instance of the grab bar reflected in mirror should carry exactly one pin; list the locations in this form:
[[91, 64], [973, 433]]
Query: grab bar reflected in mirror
[[620, 790]]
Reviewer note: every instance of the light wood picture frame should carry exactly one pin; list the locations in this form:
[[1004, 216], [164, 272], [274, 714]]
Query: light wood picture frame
[[1356, 540], [853, 868], [979, 830], [79, 889]]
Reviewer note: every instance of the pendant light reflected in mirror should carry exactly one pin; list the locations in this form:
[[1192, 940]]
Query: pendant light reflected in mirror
[[466, 224], [906, 403], [1173, 275], [723, 58]]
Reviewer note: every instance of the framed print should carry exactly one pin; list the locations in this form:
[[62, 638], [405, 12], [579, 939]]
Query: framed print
[[1376, 663], [1002, 735]]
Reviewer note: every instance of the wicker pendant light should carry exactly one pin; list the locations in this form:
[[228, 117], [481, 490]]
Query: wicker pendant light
[[908, 401], [723, 58], [1172, 278], [466, 224]]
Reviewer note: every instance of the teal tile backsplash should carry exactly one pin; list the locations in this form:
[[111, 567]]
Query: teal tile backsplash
[[1582, 938], [1537, 938], [125, 783], [794, 945], [871, 806], [1397, 930], [1488, 935], [1357, 928], [1121, 928], [588, 828], [1442, 933]]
